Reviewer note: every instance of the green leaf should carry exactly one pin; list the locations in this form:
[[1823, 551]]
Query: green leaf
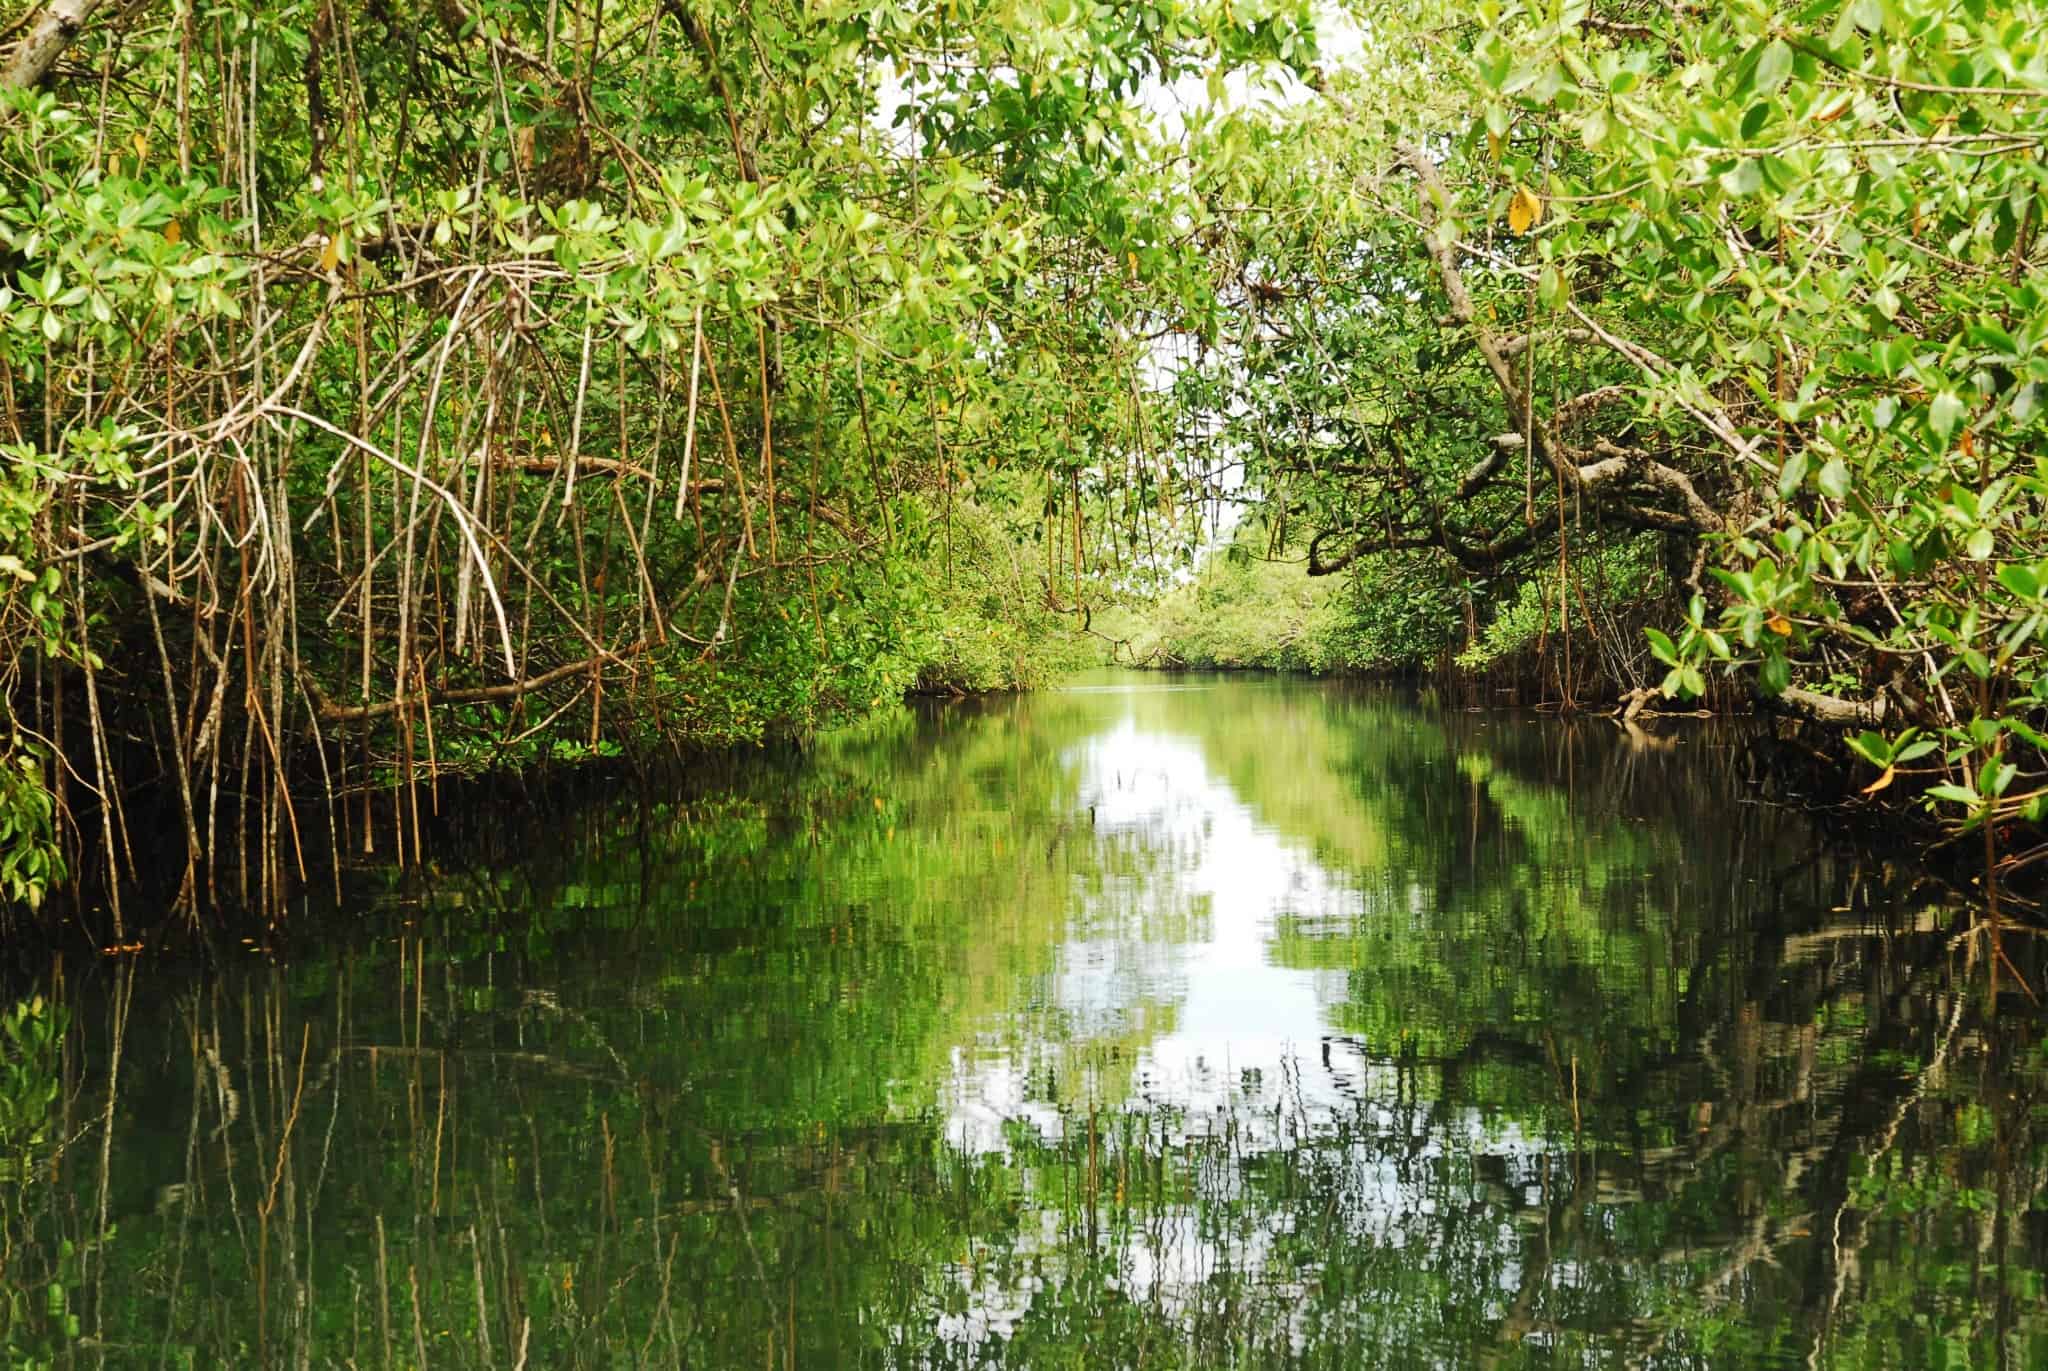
[[2021, 727], [1992, 338], [1774, 66], [1979, 544], [1945, 413], [2021, 580], [1743, 179], [1775, 675], [1834, 479], [1792, 475]]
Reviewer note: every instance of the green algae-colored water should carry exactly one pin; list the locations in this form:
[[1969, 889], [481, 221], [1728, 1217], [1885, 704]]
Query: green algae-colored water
[[1155, 1022]]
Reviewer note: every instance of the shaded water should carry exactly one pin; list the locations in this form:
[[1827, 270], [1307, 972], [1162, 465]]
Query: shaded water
[[1155, 1022]]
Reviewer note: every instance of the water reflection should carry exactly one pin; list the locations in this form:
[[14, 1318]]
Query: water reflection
[[1168, 948], [1203, 1023]]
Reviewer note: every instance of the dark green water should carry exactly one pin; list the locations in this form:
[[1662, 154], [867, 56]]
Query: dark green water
[[1154, 1023]]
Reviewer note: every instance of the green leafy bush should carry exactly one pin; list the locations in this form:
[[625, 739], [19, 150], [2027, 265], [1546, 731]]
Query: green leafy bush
[[30, 859]]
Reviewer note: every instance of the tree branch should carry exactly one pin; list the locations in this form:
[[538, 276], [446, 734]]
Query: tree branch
[[1468, 555], [1541, 435], [51, 32], [1480, 472], [333, 713], [1517, 345], [1832, 710]]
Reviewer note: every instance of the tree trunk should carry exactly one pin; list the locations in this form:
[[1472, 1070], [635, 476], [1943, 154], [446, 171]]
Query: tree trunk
[[49, 33]]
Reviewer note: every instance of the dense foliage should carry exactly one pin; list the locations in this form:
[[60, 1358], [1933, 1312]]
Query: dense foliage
[[1240, 611], [406, 391], [1406, 612], [395, 390], [1754, 286]]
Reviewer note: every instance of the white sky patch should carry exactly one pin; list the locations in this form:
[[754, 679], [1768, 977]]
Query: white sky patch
[[1171, 104]]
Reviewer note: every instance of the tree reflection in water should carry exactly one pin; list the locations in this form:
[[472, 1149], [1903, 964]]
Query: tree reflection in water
[[1198, 1024]]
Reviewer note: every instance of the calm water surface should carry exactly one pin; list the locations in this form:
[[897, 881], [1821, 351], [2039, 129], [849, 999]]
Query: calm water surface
[[1157, 1022]]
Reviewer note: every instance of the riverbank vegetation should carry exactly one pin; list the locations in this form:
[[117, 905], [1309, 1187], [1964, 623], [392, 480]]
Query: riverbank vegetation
[[444, 388], [1756, 286], [406, 391], [1405, 614], [1718, 328]]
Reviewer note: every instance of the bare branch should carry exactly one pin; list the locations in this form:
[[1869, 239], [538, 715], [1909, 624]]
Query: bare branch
[[1541, 437], [1517, 345], [333, 713], [1832, 710]]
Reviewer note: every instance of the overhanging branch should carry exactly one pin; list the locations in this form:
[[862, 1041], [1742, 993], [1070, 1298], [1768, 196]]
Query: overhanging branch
[[49, 33], [1540, 435]]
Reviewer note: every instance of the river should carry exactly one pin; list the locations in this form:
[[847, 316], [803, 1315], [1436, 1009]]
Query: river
[[1152, 1022]]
